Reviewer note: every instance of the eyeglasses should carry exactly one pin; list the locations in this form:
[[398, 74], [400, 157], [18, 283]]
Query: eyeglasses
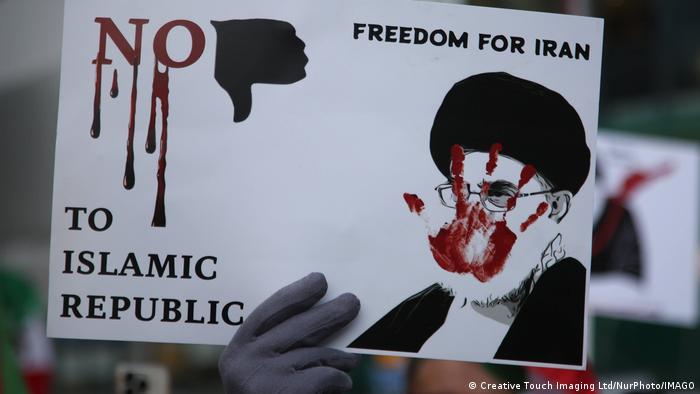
[[494, 200]]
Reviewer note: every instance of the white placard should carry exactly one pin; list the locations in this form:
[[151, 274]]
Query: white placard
[[296, 134], [644, 264]]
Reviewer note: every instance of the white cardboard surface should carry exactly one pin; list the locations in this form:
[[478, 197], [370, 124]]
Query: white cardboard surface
[[312, 180], [664, 216]]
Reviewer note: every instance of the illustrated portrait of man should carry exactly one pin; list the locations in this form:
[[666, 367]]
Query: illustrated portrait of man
[[616, 246], [512, 155]]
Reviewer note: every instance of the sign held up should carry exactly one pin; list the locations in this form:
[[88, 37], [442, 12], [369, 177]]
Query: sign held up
[[265, 141]]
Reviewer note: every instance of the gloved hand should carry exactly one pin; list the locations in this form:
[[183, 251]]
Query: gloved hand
[[276, 349]]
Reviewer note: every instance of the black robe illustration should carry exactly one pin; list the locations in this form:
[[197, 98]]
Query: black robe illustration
[[548, 328], [621, 253]]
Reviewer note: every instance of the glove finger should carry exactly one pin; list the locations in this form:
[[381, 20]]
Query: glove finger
[[320, 380], [309, 328], [285, 303], [310, 357]]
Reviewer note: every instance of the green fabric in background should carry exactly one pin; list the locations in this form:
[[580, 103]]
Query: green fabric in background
[[659, 352], [17, 301], [11, 381]]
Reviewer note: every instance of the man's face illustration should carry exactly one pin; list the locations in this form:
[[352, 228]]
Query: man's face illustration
[[502, 188], [514, 154], [501, 221]]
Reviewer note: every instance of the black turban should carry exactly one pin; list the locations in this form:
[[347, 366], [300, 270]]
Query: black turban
[[535, 126]]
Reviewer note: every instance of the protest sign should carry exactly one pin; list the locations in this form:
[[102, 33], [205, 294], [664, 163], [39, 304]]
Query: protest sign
[[644, 264], [436, 160]]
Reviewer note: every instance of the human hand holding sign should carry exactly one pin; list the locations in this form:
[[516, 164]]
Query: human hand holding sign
[[276, 349]]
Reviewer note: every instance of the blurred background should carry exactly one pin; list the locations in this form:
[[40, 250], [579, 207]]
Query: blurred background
[[650, 86]]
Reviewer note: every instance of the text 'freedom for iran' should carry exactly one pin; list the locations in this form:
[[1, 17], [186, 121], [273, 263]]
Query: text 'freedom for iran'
[[485, 42]]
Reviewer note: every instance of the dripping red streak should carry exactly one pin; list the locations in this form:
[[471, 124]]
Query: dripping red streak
[[493, 158], [160, 91], [457, 169], [415, 204], [151, 136], [95, 128], [485, 186], [129, 177], [612, 218], [526, 175], [114, 92], [541, 210]]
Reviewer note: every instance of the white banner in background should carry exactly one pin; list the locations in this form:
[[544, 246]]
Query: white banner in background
[[644, 264]]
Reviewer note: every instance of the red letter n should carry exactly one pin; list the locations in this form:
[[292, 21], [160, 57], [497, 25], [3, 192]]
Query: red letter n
[[108, 28]]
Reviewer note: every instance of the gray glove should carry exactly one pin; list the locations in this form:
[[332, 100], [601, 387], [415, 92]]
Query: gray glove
[[276, 349]]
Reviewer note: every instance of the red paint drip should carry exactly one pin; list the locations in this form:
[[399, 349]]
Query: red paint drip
[[541, 210], [457, 169], [151, 136], [493, 158], [129, 176], [161, 92], [526, 174], [415, 204], [114, 92], [96, 104], [637, 179], [474, 242], [631, 185], [485, 186]]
